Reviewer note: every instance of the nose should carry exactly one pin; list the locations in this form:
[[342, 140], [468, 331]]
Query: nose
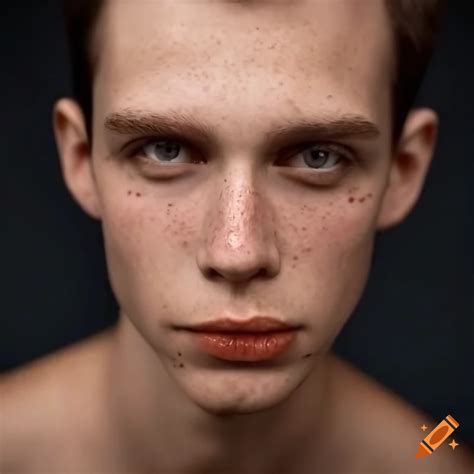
[[239, 241]]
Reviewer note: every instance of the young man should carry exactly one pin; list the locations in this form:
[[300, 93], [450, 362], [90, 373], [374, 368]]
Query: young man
[[240, 157]]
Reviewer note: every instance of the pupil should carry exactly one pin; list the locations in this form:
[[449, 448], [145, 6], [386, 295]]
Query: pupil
[[170, 150], [319, 157]]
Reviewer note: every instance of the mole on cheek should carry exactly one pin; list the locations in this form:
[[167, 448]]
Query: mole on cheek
[[307, 355], [138, 194], [351, 199]]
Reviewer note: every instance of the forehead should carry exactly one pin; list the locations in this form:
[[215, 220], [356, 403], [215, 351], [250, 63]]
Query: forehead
[[194, 54]]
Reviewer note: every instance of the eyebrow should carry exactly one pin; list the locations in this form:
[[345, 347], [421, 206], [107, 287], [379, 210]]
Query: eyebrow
[[179, 125]]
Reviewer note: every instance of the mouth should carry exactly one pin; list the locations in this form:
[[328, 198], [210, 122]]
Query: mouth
[[256, 324], [257, 339]]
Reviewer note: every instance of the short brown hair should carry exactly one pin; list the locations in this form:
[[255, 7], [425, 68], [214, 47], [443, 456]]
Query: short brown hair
[[415, 24]]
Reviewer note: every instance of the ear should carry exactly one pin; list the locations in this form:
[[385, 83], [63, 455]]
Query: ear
[[409, 166], [75, 155]]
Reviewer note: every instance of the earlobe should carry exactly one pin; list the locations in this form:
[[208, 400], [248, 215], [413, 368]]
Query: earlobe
[[409, 166], [75, 155]]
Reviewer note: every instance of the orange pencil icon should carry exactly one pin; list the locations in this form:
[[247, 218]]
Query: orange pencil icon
[[437, 436]]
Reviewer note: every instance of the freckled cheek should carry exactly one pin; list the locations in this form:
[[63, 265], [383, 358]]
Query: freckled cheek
[[352, 222], [142, 231], [346, 219], [325, 232], [132, 232]]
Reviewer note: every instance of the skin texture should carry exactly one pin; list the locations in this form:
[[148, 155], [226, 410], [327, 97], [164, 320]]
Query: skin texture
[[236, 225]]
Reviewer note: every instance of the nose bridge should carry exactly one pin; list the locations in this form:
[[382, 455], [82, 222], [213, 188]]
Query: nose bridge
[[238, 231], [239, 208]]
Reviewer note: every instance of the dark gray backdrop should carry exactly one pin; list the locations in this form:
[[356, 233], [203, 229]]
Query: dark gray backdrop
[[414, 328]]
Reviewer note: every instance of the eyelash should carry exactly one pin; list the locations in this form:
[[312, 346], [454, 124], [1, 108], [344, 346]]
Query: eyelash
[[346, 154]]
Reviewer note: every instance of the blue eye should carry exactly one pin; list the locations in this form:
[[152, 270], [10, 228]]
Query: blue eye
[[322, 157], [161, 150]]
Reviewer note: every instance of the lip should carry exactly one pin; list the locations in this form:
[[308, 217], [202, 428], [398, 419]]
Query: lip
[[258, 338], [256, 324]]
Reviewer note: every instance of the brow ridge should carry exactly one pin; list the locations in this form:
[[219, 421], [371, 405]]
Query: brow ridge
[[175, 124]]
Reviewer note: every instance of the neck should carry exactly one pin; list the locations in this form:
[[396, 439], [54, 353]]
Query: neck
[[159, 427]]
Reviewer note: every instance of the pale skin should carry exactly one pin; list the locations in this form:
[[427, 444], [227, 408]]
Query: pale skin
[[238, 223]]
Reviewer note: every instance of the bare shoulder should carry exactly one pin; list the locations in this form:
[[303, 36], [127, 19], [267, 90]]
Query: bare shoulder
[[385, 430], [45, 403]]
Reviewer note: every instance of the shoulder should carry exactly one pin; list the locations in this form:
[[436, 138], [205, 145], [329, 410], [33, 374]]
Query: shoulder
[[45, 403], [386, 430]]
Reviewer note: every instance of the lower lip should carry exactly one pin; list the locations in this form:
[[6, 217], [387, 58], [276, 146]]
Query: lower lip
[[249, 347]]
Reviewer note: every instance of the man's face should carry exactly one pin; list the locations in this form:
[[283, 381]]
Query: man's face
[[243, 221]]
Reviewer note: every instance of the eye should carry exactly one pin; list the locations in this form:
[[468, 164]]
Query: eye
[[164, 151], [324, 157]]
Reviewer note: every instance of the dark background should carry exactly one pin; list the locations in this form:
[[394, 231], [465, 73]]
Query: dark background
[[414, 327]]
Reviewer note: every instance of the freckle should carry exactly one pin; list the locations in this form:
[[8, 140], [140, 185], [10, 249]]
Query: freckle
[[170, 204], [362, 199], [295, 257], [369, 195], [181, 365], [329, 96], [351, 199], [129, 192], [185, 243], [303, 228], [138, 194], [293, 266], [307, 355], [164, 306], [307, 249], [179, 353]]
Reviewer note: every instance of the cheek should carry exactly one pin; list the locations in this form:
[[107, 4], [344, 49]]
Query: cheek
[[331, 255], [135, 240], [337, 226], [147, 237]]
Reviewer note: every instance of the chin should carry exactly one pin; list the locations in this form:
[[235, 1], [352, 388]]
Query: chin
[[239, 392]]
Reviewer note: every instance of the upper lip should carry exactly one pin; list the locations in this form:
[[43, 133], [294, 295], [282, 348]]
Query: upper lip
[[252, 325]]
